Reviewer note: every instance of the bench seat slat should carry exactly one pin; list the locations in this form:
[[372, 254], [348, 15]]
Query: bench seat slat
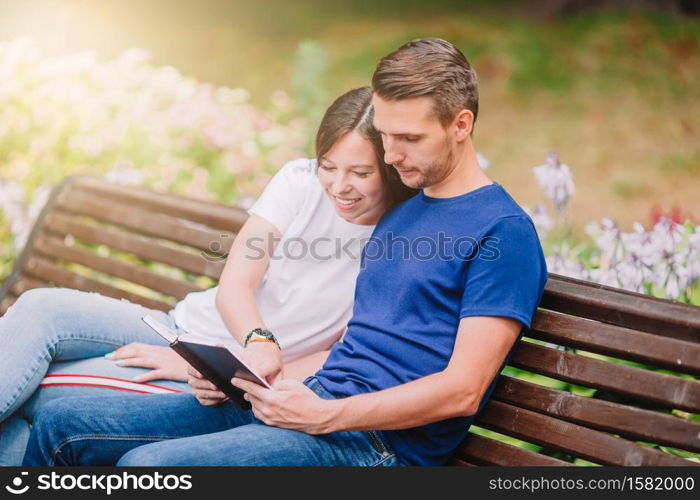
[[52, 273], [592, 445], [622, 308], [673, 354], [55, 248], [629, 422], [141, 221], [665, 390], [143, 247], [485, 451]]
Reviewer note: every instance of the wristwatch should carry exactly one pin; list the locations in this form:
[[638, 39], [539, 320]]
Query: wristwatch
[[260, 335]]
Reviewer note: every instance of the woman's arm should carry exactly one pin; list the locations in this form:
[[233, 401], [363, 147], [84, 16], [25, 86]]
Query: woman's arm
[[245, 267], [235, 301]]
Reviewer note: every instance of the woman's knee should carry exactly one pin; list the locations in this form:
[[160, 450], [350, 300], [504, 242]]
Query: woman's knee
[[43, 302], [31, 299], [45, 310], [37, 312]]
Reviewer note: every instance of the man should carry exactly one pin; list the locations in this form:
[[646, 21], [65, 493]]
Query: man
[[434, 321]]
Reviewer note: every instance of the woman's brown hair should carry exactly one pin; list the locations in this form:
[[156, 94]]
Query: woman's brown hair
[[353, 111]]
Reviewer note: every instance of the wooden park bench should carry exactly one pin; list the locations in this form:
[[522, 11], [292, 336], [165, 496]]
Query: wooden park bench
[[155, 248]]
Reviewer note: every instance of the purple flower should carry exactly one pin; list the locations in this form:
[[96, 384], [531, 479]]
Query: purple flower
[[543, 222], [556, 181], [563, 262]]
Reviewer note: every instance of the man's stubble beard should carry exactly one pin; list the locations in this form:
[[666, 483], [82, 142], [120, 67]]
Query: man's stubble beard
[[436, 171]]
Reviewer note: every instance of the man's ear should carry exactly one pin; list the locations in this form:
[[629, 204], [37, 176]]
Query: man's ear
[[463, 125]]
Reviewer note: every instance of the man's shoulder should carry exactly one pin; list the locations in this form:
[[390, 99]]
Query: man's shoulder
[[500, 200], [498, 210], [473, 214]]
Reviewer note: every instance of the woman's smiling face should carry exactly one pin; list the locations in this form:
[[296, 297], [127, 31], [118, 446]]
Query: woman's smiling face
[[349, 173]]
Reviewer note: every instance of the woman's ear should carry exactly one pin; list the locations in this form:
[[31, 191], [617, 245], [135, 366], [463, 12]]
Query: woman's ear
[[463, 125]]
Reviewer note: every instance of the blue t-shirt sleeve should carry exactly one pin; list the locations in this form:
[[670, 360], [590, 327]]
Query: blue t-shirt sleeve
[[507, 277]]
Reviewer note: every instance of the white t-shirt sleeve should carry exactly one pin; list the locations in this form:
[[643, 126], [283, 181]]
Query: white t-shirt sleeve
[[285, 194]]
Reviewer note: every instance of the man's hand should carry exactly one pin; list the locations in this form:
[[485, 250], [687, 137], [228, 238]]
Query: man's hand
[[265, 358], [166, 363], [206, 393], [289, 405]]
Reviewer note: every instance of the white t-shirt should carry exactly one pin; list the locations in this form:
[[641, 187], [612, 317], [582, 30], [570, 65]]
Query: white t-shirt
[[306, 295]]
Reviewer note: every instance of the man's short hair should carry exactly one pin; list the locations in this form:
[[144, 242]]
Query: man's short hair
[[429, 67]]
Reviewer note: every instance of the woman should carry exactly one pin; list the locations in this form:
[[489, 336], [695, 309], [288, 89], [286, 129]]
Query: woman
[[285, 292]]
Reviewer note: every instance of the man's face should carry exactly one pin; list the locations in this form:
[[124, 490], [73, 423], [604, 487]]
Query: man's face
[[415, 142]]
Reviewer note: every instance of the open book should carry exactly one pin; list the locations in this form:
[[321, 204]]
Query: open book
[[217, 360]]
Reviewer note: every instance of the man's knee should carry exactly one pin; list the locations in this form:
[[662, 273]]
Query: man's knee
[[52, 424], [57, 416]]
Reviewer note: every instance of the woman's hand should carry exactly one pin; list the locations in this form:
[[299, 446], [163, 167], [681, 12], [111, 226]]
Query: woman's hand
[[265, 359], [166, 363], [206, 393]]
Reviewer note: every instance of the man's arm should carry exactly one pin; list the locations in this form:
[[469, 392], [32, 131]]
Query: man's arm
[[481, 345]]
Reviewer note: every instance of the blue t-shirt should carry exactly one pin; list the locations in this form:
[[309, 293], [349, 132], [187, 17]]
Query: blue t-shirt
[[429, 263]]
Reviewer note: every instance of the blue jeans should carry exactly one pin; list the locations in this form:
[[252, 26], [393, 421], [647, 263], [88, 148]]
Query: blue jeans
[[178, 431], [53, 331]]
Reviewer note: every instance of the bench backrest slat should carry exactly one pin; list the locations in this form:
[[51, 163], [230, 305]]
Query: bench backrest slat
[[622, 308], [52, 247], [141, 246], [627, 421], [211, 214], [140, 221], [595, 446], [50, 272], [150, 248], [665, 390], [484, 451], [611, 340]]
